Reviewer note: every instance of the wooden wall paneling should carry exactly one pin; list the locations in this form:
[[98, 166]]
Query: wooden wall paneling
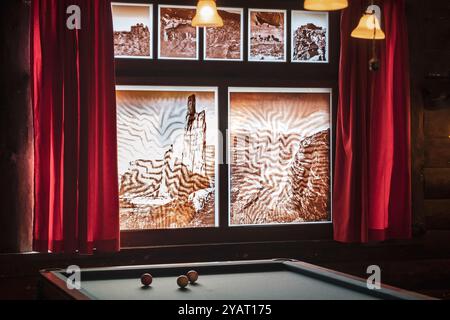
[[437, 153], [429, 30], [437, 114], [437, 183], [438, 214], [437, 27], [416, 39], [16, 130], [437, 123]]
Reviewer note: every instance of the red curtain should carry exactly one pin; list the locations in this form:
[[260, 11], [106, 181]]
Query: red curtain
[[372, 183], [76, 179]]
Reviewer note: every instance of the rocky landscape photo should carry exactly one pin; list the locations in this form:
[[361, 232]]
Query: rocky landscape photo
[[225, 43], [132, 30], [167, 149], [178, 39], [279, 158], [267, 35], [309, 36]]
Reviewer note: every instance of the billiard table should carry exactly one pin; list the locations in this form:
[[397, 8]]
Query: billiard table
[[278, 279]]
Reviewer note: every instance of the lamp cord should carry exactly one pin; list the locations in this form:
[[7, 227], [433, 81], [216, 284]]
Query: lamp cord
[[374, 59], [374, 53]]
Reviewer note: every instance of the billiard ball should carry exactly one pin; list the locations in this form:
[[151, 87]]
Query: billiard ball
[[182, 281], [192, 276], [146, 279]]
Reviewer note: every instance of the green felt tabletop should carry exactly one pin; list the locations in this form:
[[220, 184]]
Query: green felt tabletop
[[273, 285]]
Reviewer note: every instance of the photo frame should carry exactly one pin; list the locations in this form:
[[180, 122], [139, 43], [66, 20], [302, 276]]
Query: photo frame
[[267, 35], [168, 149], [279, 156], [225, 43], [309, 37], [133, 30], [177, 38]]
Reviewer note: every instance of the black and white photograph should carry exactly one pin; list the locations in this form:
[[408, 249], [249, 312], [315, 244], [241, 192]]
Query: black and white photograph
[[226, 43], [309, 37], [133, 26], [279, 155], [267, 35], [178, 39], [167, 150]]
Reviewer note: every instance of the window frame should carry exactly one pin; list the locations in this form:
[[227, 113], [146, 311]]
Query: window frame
[[223, 75]]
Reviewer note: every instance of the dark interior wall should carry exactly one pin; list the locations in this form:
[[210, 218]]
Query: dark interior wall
[[16, 133], [429, 37]]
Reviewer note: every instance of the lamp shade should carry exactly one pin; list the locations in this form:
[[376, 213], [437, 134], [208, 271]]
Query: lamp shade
[[369, 28], [325, 5], [207, 15]]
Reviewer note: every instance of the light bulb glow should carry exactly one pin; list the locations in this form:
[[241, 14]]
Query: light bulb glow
[[369, 27], [206, 12], [373, 23], [207, 15], [325, 5]]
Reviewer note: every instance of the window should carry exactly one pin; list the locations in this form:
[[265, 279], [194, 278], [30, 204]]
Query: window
[[168, 145], [279, 156], [226, 150]]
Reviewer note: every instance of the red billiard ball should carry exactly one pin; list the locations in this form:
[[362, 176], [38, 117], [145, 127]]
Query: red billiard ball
[[192, 276], [146, 279], [182, 281]]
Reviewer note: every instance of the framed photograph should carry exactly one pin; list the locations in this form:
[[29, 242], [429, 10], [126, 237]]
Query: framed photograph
[[226, 43], [178, 39], [167, 152], [267, 35], [279, 156], [309, 37], [133, 30]]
